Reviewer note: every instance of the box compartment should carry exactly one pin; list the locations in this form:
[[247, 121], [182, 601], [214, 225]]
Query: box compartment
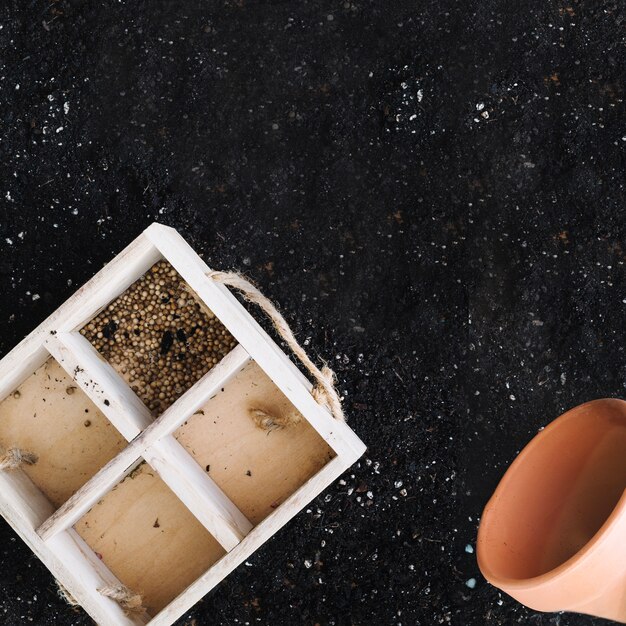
[[159, 337], [258, 463], [49, 415], [148, 539]]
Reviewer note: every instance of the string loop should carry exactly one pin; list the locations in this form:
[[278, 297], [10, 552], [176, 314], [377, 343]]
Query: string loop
[[14, 458], [131, 602], [324, 391]]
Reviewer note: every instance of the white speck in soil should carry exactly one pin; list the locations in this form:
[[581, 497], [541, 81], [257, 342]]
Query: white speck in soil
[[471, 583]]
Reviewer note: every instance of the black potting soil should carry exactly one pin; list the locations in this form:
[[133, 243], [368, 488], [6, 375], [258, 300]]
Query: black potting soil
[[433, 193]]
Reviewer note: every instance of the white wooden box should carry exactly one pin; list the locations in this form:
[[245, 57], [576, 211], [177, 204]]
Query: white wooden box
[[213, 488]]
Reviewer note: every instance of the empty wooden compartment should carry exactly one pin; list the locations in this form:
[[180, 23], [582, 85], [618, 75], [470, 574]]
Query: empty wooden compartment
[[49, 416], [254, 443], [148, 539]]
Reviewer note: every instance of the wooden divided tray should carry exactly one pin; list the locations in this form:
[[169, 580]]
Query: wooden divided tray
[[138, 398]]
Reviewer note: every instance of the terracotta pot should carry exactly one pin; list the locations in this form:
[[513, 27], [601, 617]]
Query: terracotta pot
[[553, 535]]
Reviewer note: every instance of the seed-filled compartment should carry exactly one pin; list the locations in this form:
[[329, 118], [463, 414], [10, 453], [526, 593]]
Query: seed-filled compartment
[[48, 416], [159, 337], [146, 536], [254, 443]]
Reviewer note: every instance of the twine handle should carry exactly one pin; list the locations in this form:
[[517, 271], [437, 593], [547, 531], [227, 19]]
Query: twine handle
[[131, 602], [15, 457], [324, 392]]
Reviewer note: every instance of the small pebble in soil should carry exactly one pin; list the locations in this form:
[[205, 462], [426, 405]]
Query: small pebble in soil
[[159, 338], [469, 549], [471, 583]]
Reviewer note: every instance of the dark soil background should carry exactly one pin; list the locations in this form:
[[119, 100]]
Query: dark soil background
[[433, 192]]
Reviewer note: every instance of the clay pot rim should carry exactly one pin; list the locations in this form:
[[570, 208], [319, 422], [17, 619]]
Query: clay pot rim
[[576, 560]]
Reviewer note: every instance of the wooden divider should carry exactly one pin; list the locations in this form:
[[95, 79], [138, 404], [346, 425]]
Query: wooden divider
[[225, 519], [210, 505]]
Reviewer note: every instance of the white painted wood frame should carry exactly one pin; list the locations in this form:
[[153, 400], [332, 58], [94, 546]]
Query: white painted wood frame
[[50, 533]]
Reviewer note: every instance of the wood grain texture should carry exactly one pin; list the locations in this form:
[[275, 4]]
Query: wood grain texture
[[51, 417], [148, 538], [256, 468]]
